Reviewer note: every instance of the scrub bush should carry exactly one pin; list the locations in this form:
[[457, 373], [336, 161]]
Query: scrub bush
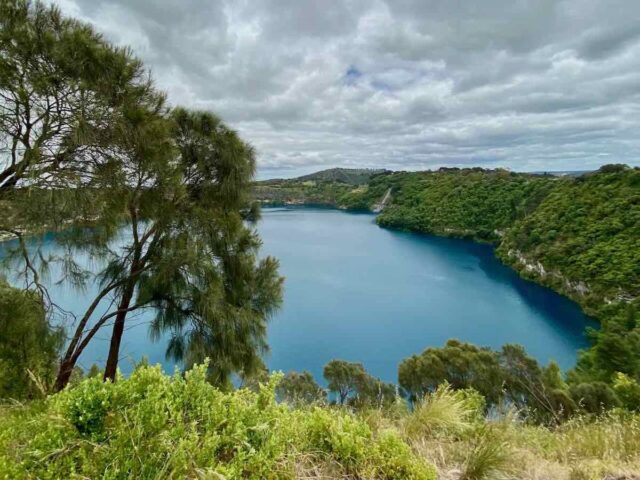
[[153, 426]]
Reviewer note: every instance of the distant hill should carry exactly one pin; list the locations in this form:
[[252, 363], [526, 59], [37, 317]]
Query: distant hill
[[350, 176], [563, 173]]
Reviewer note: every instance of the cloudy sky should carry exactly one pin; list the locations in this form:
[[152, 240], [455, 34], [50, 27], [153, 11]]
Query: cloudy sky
[[401, 84]]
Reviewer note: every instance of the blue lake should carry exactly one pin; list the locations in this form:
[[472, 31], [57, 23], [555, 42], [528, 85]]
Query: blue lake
[[358, 292]]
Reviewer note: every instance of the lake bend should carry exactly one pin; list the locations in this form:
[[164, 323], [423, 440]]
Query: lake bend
[[358, 292]]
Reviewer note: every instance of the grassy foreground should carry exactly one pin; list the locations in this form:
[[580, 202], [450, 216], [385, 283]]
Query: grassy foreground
[[156, 426]]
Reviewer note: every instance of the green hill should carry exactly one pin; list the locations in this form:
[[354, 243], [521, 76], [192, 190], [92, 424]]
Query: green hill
[[577, 234], [583, 239], [350, 176]]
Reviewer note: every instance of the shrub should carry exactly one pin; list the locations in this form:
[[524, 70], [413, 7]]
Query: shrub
[[627, 390], [489, 457], [594, 397], [155, 426], [445, 412]]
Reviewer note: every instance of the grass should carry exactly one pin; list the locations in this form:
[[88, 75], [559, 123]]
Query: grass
[[152, 426]]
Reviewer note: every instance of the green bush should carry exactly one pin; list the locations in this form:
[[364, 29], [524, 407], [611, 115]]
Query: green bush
[[155, 426]]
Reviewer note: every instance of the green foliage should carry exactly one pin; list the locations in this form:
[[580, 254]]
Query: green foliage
[[344, 378], [351, 383], [588, 230], [614, 346], [300, 388], [594, 397], [505, 376], [213, 294], [628, 391], [64, 93], [87, 408], [28, 344], [470, 203], [154, 426], [461, 365]]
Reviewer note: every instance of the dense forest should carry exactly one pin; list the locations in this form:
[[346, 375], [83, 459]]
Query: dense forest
[[163, 199]]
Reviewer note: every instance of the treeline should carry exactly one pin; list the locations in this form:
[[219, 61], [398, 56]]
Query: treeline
[[505, 378], [336, 187]]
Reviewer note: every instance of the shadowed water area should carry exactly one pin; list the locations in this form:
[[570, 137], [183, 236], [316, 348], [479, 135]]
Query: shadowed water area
[[358, 292]]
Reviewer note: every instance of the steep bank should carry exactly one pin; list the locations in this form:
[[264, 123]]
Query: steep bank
[[584, 236]]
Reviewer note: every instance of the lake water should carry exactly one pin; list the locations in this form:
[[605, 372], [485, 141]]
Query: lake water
[[358, 292]]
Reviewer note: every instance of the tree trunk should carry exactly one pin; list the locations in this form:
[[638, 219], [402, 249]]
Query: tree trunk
[[116, 337], [64, 374]]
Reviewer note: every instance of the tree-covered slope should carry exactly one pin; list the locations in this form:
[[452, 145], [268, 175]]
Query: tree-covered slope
[[585, 234], [578, 234], [471, 202], [350, 176], [337, 187]]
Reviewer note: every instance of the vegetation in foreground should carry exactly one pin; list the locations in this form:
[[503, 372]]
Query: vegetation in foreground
[[155, 426]]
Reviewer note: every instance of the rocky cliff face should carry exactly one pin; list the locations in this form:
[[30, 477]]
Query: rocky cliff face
[[576, 287]]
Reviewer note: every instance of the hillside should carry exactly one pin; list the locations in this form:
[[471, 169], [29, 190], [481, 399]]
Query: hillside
[[468, 203], [350, 176], [577, 234], [332, 187]]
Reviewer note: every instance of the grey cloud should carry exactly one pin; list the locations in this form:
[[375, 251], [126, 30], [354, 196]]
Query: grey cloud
[[406, 84]]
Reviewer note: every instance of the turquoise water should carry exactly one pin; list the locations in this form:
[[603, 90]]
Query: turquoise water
[[362, 293]]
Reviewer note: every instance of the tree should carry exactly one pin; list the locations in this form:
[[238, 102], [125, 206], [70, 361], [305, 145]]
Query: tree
[[541, 391], [191, 256], [300, 388], [66, 98], [594, 397], [508, 375], [136, 187], [628, 391], [81, 119], [462, 365], [28, 345], [373, 392], [217, 303], [344, 378], [614, 346], [61, 88]]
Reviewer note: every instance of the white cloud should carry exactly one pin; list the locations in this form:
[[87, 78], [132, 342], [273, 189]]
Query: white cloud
[[404, 84]]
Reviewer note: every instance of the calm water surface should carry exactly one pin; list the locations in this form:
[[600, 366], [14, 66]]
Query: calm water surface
[[361, 293]]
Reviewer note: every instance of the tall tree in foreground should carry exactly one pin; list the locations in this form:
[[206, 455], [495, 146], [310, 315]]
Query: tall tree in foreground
[[87, 142], [62, 88], [217, 302], [190, 256], [64, 92]]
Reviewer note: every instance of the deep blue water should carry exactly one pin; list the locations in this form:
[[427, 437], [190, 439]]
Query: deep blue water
[[358, 292]]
